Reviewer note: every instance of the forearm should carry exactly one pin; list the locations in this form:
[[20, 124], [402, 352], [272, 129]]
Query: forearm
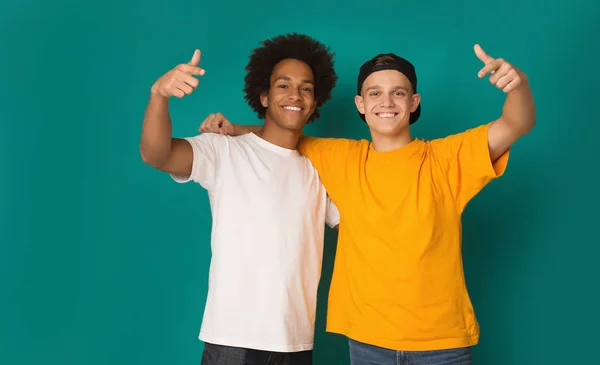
[[244, 129], [155, 144], [519, 108]]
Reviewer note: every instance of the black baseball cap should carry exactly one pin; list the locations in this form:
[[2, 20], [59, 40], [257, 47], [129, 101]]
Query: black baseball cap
[[399, 64]]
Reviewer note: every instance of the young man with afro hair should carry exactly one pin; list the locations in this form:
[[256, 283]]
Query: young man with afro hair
[[265, 268]]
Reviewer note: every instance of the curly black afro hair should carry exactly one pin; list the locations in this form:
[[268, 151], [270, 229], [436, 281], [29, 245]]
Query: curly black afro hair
[[289, 46]]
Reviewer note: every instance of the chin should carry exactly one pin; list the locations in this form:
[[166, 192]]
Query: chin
[[291, 126], [386, 130], [293, 123]]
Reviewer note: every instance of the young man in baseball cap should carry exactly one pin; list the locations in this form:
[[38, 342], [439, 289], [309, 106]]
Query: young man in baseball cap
[[398, 289]]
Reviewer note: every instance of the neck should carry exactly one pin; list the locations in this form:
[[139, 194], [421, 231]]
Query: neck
[[384, 143], [285, 138]]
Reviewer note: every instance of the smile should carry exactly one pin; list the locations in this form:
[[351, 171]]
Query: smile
[[386, 115], [292, 108]]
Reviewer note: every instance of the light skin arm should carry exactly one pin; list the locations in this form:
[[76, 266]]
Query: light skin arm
[[217, 123], [243, 129], [518, 113], [157, 146]]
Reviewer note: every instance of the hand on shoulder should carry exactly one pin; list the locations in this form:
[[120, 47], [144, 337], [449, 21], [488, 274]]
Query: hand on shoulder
[[217, 123]]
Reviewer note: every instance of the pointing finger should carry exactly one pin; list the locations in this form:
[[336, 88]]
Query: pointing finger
[[195, 61], [484, 57]]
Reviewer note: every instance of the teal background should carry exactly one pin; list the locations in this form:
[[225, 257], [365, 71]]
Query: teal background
[[104, 260]]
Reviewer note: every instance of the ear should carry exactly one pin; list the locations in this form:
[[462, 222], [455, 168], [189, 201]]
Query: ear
[[414, 102], [360, 105], [313, 107], [264, 100]]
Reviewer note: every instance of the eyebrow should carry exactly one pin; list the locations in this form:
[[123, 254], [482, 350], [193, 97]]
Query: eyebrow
[[289, 79], [393, 88]]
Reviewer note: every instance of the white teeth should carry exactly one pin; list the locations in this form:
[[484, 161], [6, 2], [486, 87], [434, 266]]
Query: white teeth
[[386, 115], [294, 108]]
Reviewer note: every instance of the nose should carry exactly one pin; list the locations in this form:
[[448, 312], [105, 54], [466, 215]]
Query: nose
[[295, 94], [388, 101]]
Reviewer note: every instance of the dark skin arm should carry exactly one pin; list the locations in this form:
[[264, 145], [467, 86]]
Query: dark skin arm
[[157, 146]]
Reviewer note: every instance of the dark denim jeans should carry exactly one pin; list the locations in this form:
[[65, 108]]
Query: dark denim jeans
[[363, 354], [226, 355]]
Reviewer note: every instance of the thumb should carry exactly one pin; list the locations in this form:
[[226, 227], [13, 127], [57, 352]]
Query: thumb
[[484, 57], [195, 61]]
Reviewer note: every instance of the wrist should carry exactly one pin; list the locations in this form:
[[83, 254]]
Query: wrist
[[523, 76], [239, 129], [155, 96]]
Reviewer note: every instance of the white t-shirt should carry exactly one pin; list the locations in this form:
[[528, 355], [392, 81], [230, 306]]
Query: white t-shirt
[[269, 211]]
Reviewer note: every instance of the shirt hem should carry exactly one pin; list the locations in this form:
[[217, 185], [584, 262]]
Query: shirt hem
[[333, 224], [407, 345], [255, 345]]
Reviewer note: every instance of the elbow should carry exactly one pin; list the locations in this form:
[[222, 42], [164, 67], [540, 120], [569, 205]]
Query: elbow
[[149, 158], [531, 119], [522, 126], [524, 129], [530, 124]]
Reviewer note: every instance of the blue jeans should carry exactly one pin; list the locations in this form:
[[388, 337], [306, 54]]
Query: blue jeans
[[364, 354]]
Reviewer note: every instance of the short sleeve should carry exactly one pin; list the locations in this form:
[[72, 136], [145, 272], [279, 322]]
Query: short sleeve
[[332, 217], [205, 163], [469, 167], [328, 156]]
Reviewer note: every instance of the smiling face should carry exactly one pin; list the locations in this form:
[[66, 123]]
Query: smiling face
[[290, 99], [386, 100]]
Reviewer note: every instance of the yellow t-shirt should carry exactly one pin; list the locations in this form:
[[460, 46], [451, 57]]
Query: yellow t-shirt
[[398, 279]]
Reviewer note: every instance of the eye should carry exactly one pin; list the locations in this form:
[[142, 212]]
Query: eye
[[307, 89], [374, 93], [399, 93], [283, 86]]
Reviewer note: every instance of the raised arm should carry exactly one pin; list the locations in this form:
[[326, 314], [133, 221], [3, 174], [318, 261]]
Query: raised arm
[[518, 113], [157, 146]]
